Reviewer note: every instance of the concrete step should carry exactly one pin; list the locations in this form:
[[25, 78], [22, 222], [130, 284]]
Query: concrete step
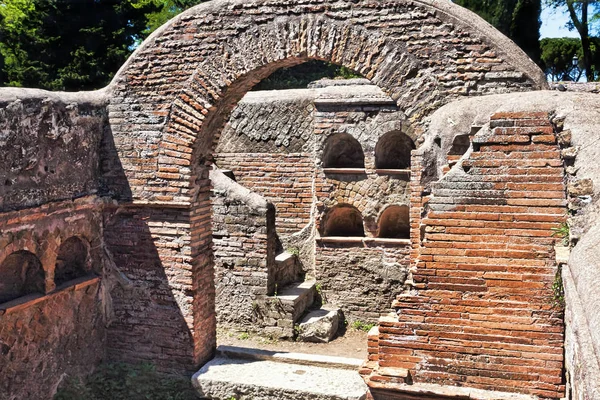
[[226, 378]]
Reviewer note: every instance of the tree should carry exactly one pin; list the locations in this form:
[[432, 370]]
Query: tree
[[557, 58], [583, 14], [68, 45], [517, 19]]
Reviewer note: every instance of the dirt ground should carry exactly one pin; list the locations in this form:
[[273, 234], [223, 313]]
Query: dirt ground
[[353, 343]]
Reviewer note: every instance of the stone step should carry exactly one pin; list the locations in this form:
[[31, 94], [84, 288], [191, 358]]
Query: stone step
[[315, 360], [226, 378], [280, 312], [286, 270], [320, 325]]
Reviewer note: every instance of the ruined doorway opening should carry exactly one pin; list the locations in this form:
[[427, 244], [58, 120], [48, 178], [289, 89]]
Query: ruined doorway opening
[[273, 144]]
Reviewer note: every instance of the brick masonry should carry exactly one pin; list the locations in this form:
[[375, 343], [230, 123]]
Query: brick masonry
[[481, 312], [170, 100], [58, 330], [165, 110]]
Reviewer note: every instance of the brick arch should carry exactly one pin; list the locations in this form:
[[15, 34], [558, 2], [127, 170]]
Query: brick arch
[[168, 103], [182, 83]]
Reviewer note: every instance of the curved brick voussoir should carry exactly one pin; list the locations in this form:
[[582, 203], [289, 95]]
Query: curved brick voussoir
[[170, 100]]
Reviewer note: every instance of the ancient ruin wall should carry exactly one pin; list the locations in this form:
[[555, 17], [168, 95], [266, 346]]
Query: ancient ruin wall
[[52, 324], [268, 144], [244, 248], [171, 99], [50, 145], [56, 332]]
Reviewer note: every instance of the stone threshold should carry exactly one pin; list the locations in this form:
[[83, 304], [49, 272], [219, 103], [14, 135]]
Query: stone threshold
[[352, 239], [389, 391], [30, 300], [316, 360]]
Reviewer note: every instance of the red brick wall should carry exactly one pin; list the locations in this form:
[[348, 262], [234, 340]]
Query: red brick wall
[[46, 337], [153, 311], [482, 314], [283, 179]]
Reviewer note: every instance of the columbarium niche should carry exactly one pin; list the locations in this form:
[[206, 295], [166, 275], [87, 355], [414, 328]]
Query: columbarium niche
[[343, 220], [21, 273], [71, 261], [342, 151], [393, 151], [394, 223]]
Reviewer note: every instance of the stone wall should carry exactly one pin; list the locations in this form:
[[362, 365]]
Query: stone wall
[[266, 130], [172, 98], [244, 247], [50, 144], [362, 278]]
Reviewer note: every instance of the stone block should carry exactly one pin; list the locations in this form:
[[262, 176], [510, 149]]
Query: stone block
[[320, 325]]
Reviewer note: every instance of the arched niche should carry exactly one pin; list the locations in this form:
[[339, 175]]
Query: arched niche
[[343, 220], [393, 151], [71, 262], [343, 151], [21, 273], [394, 223]]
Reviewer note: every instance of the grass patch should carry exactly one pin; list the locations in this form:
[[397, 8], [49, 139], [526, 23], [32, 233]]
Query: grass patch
[[127, 382], [362, 326]]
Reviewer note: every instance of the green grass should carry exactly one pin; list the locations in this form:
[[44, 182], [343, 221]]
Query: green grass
[[127, 382], [362, 326]]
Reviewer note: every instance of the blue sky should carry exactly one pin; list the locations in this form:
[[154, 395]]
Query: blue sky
[[553, 24]]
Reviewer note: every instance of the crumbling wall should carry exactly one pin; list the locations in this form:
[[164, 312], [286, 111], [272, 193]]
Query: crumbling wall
[[244, 247], [268, 144], [280, 139], [362, 277], [481, 310], [50, 146], [50, 218], [59, 333]]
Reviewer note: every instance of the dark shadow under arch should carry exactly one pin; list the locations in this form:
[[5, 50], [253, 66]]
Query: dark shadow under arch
[[71, 262], [343, 151], [393, 151], [394, 223], [343, 220], [21, 273]]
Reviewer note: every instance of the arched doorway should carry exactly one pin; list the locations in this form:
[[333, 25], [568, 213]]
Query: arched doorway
[[171, 99]]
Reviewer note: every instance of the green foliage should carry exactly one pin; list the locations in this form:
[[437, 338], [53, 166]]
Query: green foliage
[[75, 45], [584, 18], [244, 336], [362, 326], [557, 58], [301, 75], [127, 382], [517, 19], [558, 290], [562, 232], [67, 45], [294, 251]]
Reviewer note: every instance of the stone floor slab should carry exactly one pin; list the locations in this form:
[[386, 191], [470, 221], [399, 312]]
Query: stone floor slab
[[226, 378]]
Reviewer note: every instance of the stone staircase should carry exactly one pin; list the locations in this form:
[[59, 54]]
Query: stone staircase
[[244, 374], [281, 311]]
